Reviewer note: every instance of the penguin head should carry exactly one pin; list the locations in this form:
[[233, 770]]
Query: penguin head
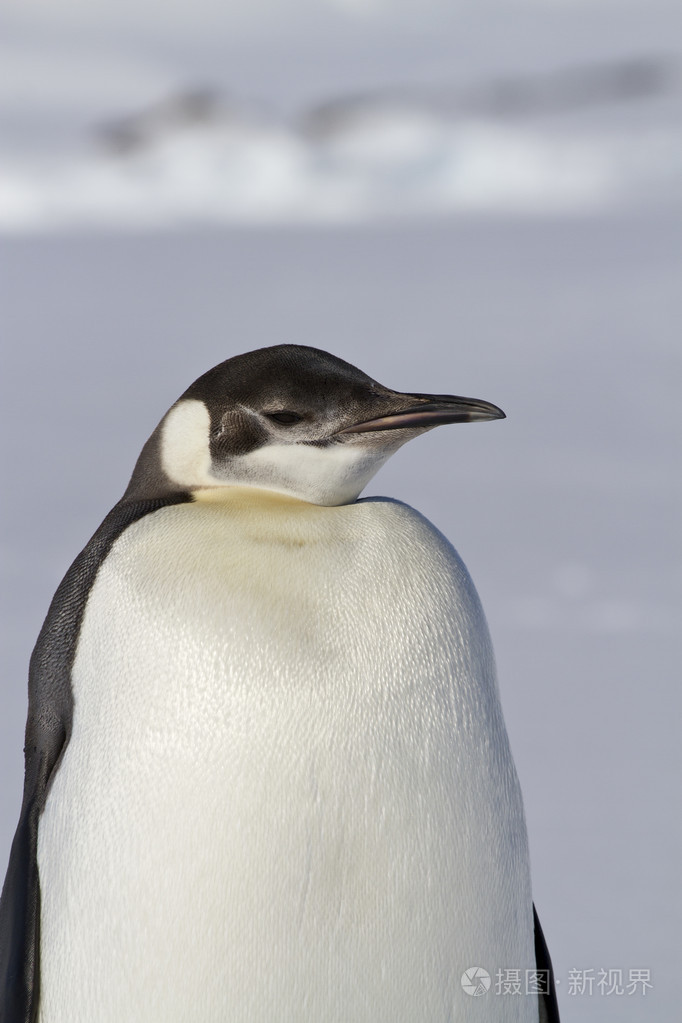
[[289, 419]]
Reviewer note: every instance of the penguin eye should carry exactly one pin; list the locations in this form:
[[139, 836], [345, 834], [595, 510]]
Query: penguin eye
[[285, 418]]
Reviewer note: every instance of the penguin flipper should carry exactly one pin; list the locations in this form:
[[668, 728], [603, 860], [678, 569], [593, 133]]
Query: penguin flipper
[[20, 901], [50, 708], [547, 1003]]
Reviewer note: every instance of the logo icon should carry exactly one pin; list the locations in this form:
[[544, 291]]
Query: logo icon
[[476, 981]]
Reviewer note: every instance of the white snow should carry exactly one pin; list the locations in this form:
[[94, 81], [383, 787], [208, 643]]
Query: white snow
[[396, 163]]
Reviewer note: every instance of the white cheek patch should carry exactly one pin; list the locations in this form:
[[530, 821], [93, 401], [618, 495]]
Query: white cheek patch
[[185, 444], [329, 475]]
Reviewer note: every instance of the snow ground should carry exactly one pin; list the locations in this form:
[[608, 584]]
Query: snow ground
[[533, 144], [510, 106]]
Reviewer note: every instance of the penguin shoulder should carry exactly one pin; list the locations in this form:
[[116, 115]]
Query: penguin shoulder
[[404, 526], [424, 554]]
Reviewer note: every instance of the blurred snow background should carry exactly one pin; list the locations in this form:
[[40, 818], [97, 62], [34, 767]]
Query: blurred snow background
[[124, 116], [477, 197]]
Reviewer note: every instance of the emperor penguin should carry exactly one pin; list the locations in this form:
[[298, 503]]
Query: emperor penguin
[[267, 773]]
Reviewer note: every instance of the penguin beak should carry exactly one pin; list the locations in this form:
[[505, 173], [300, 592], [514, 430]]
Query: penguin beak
[[430, 410]]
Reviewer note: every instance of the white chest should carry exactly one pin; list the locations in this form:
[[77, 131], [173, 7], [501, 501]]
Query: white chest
[[288, 794]]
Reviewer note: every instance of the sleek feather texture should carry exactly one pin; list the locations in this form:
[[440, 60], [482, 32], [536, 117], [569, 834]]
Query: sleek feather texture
[[288, 787]]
